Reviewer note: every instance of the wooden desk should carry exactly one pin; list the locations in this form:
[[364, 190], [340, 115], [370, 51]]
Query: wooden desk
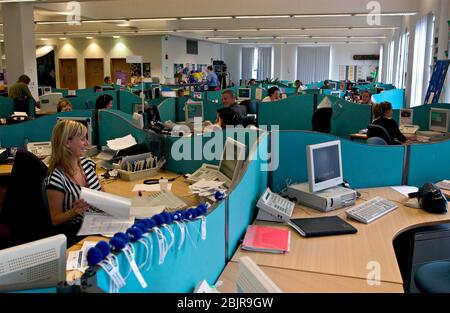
[[5, 169], [350, 255], [358, 136]]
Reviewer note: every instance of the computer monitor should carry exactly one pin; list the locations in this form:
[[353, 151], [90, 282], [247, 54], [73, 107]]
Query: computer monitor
[[333, 85], [251, 278], [439, 120], [406, 116], [40, 91], [244, 94], [37, 264], [169, 94], [324, 165], [138, 120], [137, 107], [86, 121], [233, 157], [156, 92], [193, 109], [49, 102], [198, 95]]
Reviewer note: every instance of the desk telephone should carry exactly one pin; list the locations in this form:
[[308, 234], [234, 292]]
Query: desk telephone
[[40, 149], [274, 208], [409, 129]]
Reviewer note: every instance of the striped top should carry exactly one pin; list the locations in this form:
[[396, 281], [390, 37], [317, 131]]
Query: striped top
[[58, 180]]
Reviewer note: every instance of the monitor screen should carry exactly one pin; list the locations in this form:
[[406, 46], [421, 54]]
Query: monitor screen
[[333, 86], [193, 110], [233, 156], [169, 94], [244, 93], [406, 117], [324, 165], [86, 121], [439, 120], [37, 264]]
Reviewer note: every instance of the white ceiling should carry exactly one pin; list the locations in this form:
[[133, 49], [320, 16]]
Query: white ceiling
[[232, 28]]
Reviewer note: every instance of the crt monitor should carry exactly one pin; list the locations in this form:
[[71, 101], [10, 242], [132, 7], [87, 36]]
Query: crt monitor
[[439, 120], [406, 117], [252, 279], [233, 157], [244, 94], [49, 102], [86, 121], [47, 89], [333, 85], [198, 95], [37, 264], [192, 110], [324, 165]]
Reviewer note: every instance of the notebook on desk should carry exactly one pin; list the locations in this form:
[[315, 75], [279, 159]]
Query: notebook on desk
[[322, 226], [266, 239]]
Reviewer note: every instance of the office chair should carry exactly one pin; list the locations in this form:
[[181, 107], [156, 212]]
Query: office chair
[[378, 131], [376, 141], [24, 211], [321, 120], [22, 104], [433, 277]]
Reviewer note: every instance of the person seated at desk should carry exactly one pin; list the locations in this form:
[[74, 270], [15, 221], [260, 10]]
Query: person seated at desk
[[180, 93], [68, 171], [355, 97], [383, 117], [20, 89], [104, 102], [273, 95], [136, 78], [228, 117], [251, 82], [326, 85], [229, 101], [299, 85], [366, 98], [64, 105], [97, 88], [107, 80]]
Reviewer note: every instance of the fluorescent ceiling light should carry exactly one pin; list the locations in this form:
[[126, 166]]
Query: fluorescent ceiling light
[[43, 39], [206, 18], [279, 29], [153, 19], [116, 37], [89, 37], [262, 16], [324, 15], [238, 30], [104, 21], [62, 38], [50, 22], [387, 14], [193, 30]]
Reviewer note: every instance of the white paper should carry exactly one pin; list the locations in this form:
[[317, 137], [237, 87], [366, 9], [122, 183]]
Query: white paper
[[116, 206], [94, 224], [154, 187], [206, 184], [142, 212], [77, 259], [445, 184], [405, 190], [121, 143]]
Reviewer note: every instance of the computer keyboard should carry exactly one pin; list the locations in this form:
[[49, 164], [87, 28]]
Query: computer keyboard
[[167, 199], [370, 210]]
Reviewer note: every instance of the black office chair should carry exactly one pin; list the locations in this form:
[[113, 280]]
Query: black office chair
[[24, 210], [321, 120], [433, 277], [22, 104], [379, 131], [250, 106]]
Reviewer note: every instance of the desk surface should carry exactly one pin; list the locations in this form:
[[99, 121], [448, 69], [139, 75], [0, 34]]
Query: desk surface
[[5, 169], [349, 255]]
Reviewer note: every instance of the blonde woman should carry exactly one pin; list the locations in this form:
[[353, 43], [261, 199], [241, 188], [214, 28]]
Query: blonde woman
[[64, 105], [69, 170]]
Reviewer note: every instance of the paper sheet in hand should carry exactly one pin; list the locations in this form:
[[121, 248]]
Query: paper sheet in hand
[[116, 206], [95, 223], [121, 143], [154, 187]]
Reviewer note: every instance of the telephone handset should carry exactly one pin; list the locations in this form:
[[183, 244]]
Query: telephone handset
[[274, 208], [40, 149]]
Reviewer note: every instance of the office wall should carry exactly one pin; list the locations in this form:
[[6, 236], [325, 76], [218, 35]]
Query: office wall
[[343, 55], [80, 48], [232, 55], [175, 49]]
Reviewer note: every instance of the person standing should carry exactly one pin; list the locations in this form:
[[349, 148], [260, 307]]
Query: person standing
[[212, 81]]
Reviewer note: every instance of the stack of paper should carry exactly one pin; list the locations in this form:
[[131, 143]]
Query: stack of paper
[[205, 188], [121, 143], [77, 259], [100, 224]]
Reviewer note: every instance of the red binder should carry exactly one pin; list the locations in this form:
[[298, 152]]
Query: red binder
[[266, 239]]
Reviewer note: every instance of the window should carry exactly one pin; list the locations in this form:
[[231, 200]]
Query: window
[[313, 64], [423, 45], [257, 63], [247, 63], [191, 46], [402, 61], [390, 62]]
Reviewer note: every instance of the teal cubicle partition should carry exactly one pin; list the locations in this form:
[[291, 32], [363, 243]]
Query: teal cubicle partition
[[312, 91], [79, 102], [115, 124], [421, 115], [429, 163], [6, 107], [395, 96], [385, 86], [167, 110], [64, 91], [126, 100], [363, 166], [216, 96], [39, 129], [348, 117]]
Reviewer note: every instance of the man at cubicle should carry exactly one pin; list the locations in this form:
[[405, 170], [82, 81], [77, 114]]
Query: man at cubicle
[[107, 80], [212, 81], [229, 101], [20, 89], [299, 85]]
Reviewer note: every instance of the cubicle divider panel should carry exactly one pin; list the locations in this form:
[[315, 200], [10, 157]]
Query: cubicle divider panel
[[348, 117], [167, 110], [179, 109], [79, 102], [364, 166], [216, 96], [293, 113], [64, 91], [395, 96], [115, 124], [243, 198], [210, 110], [183, 268], [6, 107], [422, 114], [429, 163], [38, 130], [127, 99], [312, 91]]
